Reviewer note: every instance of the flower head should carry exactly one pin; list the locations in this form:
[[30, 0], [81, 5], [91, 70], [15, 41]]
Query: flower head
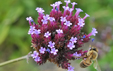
[[55, 36]]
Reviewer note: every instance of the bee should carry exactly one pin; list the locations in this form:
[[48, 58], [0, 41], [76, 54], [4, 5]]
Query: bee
[[89, 58]]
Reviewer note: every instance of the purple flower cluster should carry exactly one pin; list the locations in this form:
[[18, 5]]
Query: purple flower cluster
[[57, 36]]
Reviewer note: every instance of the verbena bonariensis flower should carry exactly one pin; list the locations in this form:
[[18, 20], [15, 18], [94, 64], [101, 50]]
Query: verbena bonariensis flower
[[57, 36]]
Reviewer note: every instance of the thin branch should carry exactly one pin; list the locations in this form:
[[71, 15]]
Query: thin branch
[[15, 60]]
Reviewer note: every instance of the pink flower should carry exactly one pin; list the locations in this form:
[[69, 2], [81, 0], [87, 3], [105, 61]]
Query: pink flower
[[71, 45], [54, 51], [51, 45], [42, 50], [47, 34]]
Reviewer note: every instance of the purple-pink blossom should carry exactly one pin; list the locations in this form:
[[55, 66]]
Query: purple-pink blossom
[[51, 44], [65, 8], [70, 68], [67, 2], [73, 39], [37, 31], [31, 30], [77, 55], [79, 10], [94, 31], [63, 19], [39, 10], [42, 50], [71, 45], [86, 16], [35, 54], [52, 19], [37, 59], [47, 34], [68, 23], [54, 51], [46, 17], [59, 31], [58, 3], [29, 19], [73, 4], [58, 36], [81, 24], [44, 21]]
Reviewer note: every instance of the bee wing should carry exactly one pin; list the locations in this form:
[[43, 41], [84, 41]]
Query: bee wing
[[96, 65]]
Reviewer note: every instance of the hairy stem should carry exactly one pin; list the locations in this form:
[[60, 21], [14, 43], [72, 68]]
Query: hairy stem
[[15, 60]]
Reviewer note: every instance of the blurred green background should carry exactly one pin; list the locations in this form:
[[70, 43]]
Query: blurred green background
[[15, 42]]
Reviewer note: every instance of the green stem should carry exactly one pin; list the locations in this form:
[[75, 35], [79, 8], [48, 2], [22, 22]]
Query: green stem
[[14, 60]]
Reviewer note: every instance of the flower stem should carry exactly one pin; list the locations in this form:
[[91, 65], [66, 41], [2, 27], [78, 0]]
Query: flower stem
[[14, 60]]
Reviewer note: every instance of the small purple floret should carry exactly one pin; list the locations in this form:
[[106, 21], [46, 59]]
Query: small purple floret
[[31, 30], [63, 19], [37, 31], [39, 10], [94, 31], [44, 21], [46, 17], [51, 45], [47, 34], [37, 59], [71, 45], [35, 54], [52, 19], [68, 23], [76, 54], [73, 39], [81, 24], [66, 8], [79, 10], [59, 31], [86, 16], [70, 68], [42, 50], [58, 3], [29, 19], [54, 51]]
